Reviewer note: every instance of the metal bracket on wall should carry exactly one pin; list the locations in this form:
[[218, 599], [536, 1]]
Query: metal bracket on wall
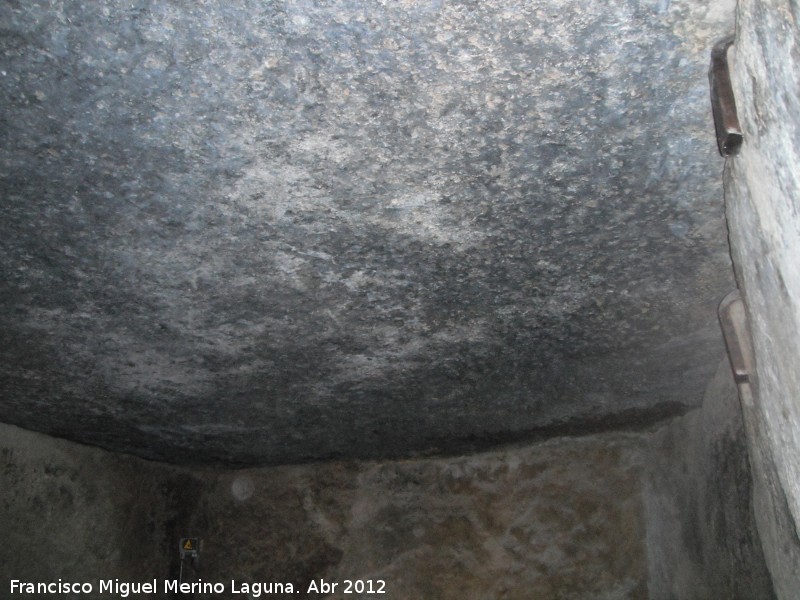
[[733, 320], [723, 103]]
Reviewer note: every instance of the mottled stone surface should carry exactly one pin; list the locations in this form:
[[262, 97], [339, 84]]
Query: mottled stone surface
[[610, 516], [270, 232], [80, 514], [557, 520], [702, 539], [762, 187]]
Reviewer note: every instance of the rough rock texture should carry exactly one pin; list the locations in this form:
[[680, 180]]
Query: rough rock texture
[[777, 527], [80, 514], [561, 519], [264, 232], [609, 516], [762, 188], [558, 520], [702, 539]]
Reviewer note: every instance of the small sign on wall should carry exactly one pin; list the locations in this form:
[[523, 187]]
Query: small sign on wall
[[189, 547]]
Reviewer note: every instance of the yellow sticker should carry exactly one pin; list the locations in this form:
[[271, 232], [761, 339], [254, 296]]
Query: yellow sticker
[[188, 545]]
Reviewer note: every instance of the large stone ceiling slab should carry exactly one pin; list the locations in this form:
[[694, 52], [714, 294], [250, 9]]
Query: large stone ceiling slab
[[263, 232]]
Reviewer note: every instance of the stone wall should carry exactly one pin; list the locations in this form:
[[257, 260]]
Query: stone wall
[[702, 540], [664, 514], [80, 514], [562, 519], [762, 187]]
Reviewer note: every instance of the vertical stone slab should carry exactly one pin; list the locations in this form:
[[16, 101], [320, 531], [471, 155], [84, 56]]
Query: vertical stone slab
[[762, 189], [702, 539], [77, 514]]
